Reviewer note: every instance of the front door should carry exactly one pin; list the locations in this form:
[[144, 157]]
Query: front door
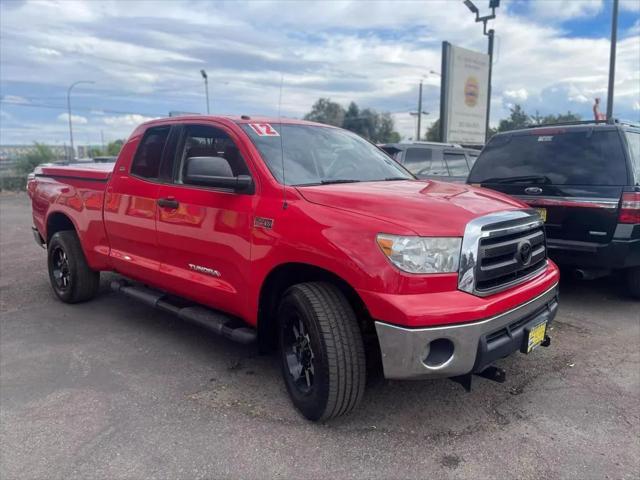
[[204, 233]]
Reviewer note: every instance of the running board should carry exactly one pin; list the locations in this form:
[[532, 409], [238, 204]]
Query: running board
[[227, 326]]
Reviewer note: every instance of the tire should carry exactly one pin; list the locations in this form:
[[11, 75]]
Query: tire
[[71, 278], [633, 281], [328, 379]]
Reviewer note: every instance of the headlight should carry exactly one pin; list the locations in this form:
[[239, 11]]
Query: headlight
[[421, 254]]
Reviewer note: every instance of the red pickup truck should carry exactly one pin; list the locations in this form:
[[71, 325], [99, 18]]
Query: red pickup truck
[[305, 238]]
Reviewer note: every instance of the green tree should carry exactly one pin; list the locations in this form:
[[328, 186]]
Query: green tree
[[40, 154], [562, 118], [114, 147], [326, 111], [433, 132], [385, 132], [517, 119], [94, 152]]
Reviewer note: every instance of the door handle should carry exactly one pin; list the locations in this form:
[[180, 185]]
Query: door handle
[[168, 203]]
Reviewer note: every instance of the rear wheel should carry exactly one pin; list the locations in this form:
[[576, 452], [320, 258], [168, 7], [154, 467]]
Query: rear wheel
[[633, 281], [70, 276], [321, 350]]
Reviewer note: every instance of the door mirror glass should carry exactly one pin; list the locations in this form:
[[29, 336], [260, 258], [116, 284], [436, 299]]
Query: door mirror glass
[[215, 172]]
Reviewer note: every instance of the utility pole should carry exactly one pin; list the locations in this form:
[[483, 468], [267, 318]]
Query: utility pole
[[419, 112], [206, 87], [612, 59], [493, 4], [73, 151]]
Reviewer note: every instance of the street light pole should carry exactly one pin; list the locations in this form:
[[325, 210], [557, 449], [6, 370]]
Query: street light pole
[[206, 87], [73, 151], [612, 59], [493, 4]]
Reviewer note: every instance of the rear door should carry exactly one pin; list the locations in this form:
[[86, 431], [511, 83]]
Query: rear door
[[130, 208], [574, 175]]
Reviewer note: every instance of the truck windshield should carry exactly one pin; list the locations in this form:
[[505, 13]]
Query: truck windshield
[[582, 157], [315, 155]]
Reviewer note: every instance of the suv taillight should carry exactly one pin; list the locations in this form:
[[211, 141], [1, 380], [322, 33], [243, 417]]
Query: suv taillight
[[630, 208]]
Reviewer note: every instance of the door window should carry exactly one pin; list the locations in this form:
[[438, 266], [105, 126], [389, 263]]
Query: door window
[[205, 141], [456, 164], [146, 163], [420, 161]]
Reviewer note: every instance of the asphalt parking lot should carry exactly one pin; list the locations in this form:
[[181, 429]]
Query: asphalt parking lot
[[115, 389]]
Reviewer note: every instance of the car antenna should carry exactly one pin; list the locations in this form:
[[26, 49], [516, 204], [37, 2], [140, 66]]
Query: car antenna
[[284, 182]]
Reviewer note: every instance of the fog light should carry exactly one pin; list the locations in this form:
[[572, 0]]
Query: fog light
[[440, 352]]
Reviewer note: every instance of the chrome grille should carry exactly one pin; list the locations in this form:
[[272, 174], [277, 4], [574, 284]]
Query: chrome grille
[[501, 250]]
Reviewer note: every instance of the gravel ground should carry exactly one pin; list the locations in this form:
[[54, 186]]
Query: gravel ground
[[114, 389]]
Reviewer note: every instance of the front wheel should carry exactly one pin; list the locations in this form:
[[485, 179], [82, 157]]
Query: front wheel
[[70, 276], [321, 350]]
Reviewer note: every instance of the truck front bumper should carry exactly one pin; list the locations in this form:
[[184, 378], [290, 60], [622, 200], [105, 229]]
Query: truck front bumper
[[452, 350]]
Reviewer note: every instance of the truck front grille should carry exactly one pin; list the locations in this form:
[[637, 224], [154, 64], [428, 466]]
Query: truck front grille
[[502, 250]]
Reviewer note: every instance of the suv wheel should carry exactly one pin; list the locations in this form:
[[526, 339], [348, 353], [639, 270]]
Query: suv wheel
[[633, 281], [70, 276], [321, 351]]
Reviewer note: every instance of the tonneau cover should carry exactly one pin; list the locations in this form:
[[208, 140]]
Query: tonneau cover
[[90, 171]]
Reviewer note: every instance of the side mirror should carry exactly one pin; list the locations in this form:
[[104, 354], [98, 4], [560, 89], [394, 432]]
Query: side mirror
[[215, 172]]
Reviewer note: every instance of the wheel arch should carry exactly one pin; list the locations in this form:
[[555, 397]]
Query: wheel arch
[[57, 222], [281, 277]]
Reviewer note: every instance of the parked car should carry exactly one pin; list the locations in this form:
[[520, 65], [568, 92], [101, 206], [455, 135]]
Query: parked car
[[431, 160], [306, 237], [584, 179]]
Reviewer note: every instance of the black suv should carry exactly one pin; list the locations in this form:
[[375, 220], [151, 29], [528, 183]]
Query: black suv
[[441, 161], [584, 179]]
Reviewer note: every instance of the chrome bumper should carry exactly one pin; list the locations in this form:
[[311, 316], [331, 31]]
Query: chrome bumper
[[405, 350]]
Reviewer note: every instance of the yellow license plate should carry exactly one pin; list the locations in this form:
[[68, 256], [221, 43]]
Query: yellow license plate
[[536, 336], [543, 213]]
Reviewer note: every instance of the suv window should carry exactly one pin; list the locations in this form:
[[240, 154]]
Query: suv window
[[147, 161], [421, 161], [456, 164], [633, 139], [582, 157], [205, 141]]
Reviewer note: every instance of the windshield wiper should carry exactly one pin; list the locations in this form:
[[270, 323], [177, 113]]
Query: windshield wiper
[[520, 179], [338, 180], [393, 179]]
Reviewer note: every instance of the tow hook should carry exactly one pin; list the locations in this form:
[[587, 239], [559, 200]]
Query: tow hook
[[546, 342], [492, 373]]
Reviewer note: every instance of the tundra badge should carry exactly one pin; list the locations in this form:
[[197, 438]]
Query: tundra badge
[[205, 270]]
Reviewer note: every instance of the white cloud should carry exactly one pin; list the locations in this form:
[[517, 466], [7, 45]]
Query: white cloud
[[14, 99], [519, 94], [44, 51], [630, 5], [562, 10], [64, 117], [128, 120]]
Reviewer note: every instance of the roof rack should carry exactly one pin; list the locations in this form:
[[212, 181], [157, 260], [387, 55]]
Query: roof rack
[[613, 121]]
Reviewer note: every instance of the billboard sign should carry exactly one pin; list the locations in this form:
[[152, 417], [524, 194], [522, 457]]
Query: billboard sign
[[463, 95]]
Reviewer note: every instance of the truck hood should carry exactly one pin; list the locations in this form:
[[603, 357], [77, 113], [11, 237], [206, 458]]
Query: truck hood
[[429, 208]]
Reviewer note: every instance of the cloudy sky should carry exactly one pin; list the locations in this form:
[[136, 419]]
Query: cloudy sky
[[145, 57]]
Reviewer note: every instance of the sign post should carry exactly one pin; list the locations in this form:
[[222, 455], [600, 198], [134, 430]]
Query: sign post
[[464, 95]]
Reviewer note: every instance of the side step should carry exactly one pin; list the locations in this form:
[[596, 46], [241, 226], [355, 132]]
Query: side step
[[217, 322]]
